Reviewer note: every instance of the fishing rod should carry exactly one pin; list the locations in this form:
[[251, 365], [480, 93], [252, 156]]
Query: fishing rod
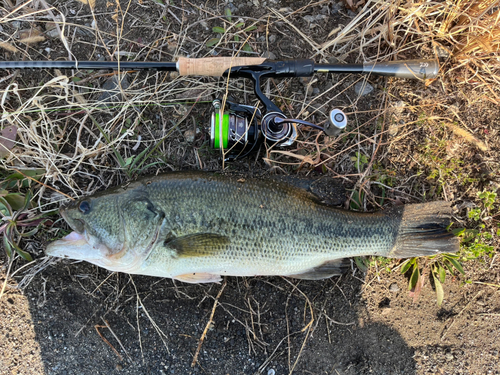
[[238, 128]]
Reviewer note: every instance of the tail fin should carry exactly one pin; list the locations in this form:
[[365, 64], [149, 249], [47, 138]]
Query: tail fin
[[423, 231]]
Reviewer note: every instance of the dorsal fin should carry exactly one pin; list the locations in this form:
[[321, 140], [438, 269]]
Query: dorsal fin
[[320, 190]]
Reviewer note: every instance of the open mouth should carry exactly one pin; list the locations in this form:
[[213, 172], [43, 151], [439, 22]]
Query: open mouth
[[74, 236], [67, 246]]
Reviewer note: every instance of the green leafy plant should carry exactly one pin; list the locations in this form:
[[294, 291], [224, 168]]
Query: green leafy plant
[[476, 241], [240, 29], [380, 263], [360, 160], [133, 165], [437, 270], [16, 220], [357, 198], [488, 199]]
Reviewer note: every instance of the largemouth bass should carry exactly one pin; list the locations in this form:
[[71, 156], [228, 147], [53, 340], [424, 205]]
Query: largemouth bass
[[196, 227]]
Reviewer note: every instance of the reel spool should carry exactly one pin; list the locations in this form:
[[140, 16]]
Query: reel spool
[[234, 130]]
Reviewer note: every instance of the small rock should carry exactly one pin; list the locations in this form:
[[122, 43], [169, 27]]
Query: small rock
[[449, 357], [272, 38], [386, 311], [112, 89], [16, 24], [271, 371], [315, 91], [269, 55], [398, 106], [442, 52], [363, 88], [393, 130], [189, 136], [336, 7], [350, 13], [305, 80], [52, 33], [394, 288], [84, 32]]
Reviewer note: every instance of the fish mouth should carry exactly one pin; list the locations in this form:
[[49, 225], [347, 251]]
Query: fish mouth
[[70, 246]]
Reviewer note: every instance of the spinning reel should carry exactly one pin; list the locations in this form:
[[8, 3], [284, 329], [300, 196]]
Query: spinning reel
[[238, 129]]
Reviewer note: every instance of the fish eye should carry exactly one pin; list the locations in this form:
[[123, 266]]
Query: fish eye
[[84, 207]]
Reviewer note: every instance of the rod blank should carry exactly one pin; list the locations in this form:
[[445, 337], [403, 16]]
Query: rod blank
[[412, 69], [114, 65]]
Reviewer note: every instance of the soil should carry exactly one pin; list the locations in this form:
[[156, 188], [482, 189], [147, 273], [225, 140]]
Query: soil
[[63, 317], [71, 317]]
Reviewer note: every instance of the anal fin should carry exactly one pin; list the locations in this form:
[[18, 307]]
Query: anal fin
[[324, 271], [198, 278]]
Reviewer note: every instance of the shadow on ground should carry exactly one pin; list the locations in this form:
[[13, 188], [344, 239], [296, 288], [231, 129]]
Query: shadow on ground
[[89, 321]]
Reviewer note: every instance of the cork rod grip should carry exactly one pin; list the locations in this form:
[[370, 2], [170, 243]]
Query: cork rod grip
[[213, 66]]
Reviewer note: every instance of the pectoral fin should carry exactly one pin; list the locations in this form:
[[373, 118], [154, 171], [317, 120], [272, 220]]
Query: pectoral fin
[[196, 278], [198, 245], [328, 269]]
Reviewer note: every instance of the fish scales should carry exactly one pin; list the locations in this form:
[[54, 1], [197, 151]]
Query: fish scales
[[197, 226], [273, 228]]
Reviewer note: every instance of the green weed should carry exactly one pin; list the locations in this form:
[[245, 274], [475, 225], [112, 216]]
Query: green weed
[[360, 161], [240, 29], [437, 270], [476, 242], [16, 221]]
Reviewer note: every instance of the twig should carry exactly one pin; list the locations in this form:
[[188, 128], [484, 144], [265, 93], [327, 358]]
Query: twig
[[309, 41], [116, 337], [41, 183], [106, 341], [339, 323], [6, 277], [209, 323], [308, 326]]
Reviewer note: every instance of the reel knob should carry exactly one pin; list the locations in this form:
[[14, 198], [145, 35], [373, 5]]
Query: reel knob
[[336, 123]]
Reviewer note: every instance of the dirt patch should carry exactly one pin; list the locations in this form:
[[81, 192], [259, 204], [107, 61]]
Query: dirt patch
[[361, 325]]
